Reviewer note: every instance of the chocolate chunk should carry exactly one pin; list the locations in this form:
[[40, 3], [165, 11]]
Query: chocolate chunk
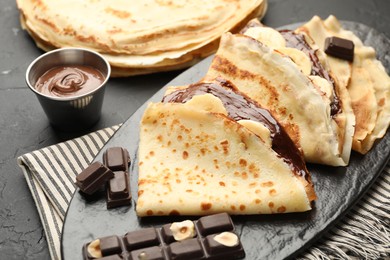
[[214, 224], [166, 233], [110, 245], [111, 257], [93, 178], [150, 253], [116, 159], [118, 190], [186, 249], [339, 48], [141, 238], [159, 244]]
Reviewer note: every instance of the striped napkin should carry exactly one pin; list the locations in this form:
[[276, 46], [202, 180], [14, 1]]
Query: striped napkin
[[50, 172]]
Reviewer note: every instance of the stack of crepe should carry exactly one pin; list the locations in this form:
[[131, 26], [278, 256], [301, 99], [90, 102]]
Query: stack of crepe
[[237, 141], [137, 37]]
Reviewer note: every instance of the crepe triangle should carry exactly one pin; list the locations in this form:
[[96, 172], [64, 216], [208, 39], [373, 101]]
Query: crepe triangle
[[195, 160]]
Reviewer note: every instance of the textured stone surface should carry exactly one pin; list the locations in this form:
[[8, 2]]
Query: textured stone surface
[[24, 127]]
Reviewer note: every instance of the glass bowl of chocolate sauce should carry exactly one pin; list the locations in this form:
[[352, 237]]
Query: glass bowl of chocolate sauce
[[69, 83]]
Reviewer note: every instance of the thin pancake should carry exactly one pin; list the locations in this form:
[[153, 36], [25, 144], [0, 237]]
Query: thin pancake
[[195, 162], [240, 108], [276, 83]]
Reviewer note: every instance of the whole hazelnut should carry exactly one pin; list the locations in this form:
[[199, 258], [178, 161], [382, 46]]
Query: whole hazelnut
[[183, 230], [227, 239], [94, 249]]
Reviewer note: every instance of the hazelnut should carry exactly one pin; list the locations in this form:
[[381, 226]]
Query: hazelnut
[[227, 239], [183, 230], [94, 249], [143, 256]]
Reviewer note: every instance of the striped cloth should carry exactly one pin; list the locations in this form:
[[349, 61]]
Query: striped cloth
[[51, 172]]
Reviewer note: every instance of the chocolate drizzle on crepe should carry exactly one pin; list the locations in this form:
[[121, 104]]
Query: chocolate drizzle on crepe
[[241, 107], [297, 41]]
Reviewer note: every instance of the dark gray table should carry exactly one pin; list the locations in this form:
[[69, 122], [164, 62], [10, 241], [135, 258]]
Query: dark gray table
[[24, 127]]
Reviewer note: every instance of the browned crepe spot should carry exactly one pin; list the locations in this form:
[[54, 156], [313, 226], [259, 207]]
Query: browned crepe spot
[[252, 185], [118, 13], [242, 162], [267, 184], [205, 206], [272, 192], [174, 213], [48, 23], [225, 146]]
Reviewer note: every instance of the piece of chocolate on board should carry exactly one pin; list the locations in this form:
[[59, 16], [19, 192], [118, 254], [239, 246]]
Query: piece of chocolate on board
[[339, 48], [210, 237], [111, 257], [118, 190], [93, 178], [116, 159]]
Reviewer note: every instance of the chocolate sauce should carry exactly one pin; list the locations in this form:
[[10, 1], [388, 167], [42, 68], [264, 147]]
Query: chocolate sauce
[[241, 107], [65, 81], [298, 41]]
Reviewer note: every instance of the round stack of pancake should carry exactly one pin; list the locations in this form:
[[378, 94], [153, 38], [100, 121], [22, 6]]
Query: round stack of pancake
[[137, 37]]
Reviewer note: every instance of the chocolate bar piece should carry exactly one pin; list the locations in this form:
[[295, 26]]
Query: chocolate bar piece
[[112, 257], [93, 178], [110, 245], [210, 237], [339, 48], [116, 159], [118, 190]]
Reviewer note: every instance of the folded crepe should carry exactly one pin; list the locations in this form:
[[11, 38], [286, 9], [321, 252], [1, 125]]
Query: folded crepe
[[137, 37], [194, 159], [240, 108], [307, 106], [366, 79]]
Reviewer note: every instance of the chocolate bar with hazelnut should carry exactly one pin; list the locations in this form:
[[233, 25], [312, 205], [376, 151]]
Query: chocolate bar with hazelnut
[[210, 237]]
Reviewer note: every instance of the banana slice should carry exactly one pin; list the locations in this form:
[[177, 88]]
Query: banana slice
[[323, 85], [267, 36], [322, 58], [299, 58], [258, 129]]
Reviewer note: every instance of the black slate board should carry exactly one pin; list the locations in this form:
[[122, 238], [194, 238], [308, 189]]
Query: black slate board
[[263, 237]]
